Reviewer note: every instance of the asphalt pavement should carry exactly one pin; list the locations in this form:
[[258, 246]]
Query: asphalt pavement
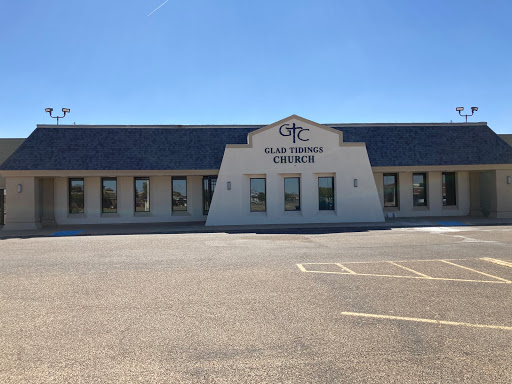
[[407, 304]]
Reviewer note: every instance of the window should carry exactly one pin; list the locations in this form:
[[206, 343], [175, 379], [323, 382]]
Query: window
[[390, 190], [326, 193], [109, 195], [142, 194], [419, 189], [258, 195], [76, 195], [292, 194], [179, 193], [449, 191]]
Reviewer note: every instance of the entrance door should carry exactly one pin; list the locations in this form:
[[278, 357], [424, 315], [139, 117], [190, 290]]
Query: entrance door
[[209, 183], [2, 207]]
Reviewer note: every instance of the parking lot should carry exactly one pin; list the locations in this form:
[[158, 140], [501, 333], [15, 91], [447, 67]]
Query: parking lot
[[482, 270], [403, 305]]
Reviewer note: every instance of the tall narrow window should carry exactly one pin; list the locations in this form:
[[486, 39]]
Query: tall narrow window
[[258, 195], [390, 190], [109, 195], [179, 193], [326, 193], [209, 183], [76, 195], [142, 194], [2, 206], [449, 190], [419, 189], [292, 194]]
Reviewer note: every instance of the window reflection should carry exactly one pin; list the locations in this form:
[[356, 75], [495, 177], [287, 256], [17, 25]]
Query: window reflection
[[109, 195], [76, 195], [326, 193], [449, 191], [179, 193], [390, 190], [142, 194], [292, 194], [258, 195], [419, 184]]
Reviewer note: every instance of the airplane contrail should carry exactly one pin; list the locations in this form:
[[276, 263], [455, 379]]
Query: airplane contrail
[[157, 8]]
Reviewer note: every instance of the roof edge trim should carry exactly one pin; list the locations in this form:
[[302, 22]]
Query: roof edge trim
[[256, 126]]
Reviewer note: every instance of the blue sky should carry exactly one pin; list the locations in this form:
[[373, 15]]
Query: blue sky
[[245, 62]]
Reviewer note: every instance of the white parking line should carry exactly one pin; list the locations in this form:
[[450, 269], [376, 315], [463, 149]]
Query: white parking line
[[301, 267], [346, 269], [497, 261], [474, 270], [308, 268], [410, 270], [431, 321]]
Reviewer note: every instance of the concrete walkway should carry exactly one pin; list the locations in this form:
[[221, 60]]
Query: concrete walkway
[[199, 227]]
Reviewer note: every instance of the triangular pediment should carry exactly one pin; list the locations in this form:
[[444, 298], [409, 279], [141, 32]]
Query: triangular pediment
[[293, 123]]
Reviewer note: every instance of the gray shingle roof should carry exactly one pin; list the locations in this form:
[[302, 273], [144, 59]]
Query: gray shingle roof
[[7, 147], [507, 138], [82, 148]]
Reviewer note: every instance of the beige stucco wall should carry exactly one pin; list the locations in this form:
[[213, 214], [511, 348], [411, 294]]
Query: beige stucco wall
[[479, 193], [7, 147], [23, 207], [45, 200], [474, 194], [434, 195], [159, 197], [488, 193], [504, 194]]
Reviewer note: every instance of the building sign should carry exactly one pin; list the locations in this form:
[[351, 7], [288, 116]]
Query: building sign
[[294, 131], [293, 155]]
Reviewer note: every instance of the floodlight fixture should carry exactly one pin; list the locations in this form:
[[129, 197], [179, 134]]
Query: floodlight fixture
[[460, 109], [65, 110]]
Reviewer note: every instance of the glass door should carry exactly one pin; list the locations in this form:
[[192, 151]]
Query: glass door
[[2, 207], [209, 183]]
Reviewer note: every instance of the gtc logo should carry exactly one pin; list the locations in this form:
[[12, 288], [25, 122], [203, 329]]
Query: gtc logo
[[293, 131]]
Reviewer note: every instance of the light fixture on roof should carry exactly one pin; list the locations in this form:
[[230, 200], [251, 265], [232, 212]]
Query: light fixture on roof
[[65, 110], [460, 109]]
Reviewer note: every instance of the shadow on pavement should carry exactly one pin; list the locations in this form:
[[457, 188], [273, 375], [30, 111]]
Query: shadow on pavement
[[199, 227], [118, 230]]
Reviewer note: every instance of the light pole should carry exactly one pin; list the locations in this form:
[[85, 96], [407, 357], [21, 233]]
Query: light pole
[[65, 110], [460, 109]]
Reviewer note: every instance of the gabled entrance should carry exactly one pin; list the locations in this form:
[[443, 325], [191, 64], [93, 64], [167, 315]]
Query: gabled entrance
[[290, 160]]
